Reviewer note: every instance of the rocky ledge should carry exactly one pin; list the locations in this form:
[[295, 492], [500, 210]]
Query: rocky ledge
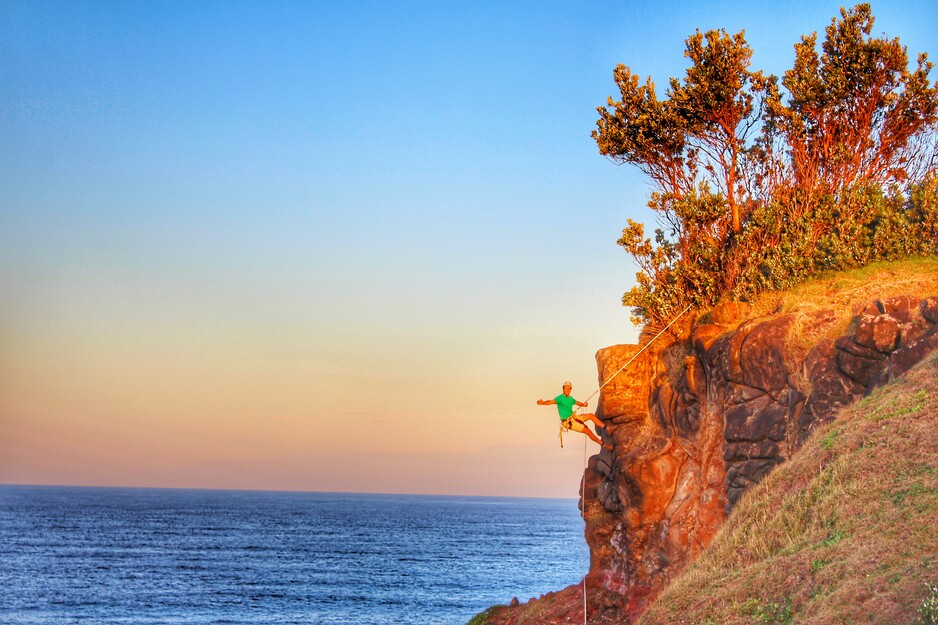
[[698, 419]]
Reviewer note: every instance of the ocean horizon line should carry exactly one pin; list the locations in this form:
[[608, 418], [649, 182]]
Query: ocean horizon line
[[4, 485]]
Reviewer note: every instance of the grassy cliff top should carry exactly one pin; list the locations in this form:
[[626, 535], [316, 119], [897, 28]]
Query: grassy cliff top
[[826, 306], [850, 290], [844, 533]]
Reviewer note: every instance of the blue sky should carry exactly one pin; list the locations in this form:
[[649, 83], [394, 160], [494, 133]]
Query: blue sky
[[285, 223]]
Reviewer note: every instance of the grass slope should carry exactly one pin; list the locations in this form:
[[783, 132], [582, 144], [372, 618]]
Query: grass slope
[[844, 533], [847, 289]]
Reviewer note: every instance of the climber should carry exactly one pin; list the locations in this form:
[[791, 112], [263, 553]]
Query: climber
[[570, 420]]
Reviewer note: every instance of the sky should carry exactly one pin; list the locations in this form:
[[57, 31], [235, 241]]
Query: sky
[[326, 246]]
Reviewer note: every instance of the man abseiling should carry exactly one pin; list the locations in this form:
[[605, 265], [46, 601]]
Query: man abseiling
[[570, 421]]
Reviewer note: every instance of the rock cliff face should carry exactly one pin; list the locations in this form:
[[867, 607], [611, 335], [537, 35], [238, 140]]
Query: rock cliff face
[[699, 418]]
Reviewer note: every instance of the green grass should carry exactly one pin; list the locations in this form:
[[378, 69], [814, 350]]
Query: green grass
[[928, 610], [828, 441], [482, 617], [898, 406], [770, 613], [843, 533]]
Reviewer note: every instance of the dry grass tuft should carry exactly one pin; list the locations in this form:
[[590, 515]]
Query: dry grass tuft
[[811, 329], [843, 533]]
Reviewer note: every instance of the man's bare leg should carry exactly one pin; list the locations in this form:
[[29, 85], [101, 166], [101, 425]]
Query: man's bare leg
[[592, 436], [595, 439], [593, 418]]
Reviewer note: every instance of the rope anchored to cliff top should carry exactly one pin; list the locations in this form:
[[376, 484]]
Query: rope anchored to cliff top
[[573, 416], [637, 354]]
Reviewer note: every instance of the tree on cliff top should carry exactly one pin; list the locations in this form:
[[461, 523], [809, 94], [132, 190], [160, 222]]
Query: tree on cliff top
[[759, 184], [855, 114]]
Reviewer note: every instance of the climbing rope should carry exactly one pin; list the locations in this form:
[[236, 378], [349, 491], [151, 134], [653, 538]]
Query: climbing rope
[[585, 545], [636, 355]]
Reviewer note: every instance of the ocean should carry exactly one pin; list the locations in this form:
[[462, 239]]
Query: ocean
[[148, 556]]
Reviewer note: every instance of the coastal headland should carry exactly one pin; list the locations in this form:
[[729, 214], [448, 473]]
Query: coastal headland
[[701, 418]]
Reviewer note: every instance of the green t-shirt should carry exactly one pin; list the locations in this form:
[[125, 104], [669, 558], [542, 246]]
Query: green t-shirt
[[565, 404]]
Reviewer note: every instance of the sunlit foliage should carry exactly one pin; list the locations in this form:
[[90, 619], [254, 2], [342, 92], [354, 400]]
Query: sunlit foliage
[[761, 183]]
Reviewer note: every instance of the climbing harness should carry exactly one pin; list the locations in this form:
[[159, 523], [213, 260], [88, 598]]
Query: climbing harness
[[570, 424]]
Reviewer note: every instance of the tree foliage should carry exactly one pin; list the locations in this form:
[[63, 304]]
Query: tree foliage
[[855, 114], [760, 183]]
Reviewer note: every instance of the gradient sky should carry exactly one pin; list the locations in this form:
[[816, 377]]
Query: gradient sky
[[338, 246]]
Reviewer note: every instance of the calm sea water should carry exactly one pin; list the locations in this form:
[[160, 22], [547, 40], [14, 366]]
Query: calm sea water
[[95, 555]]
